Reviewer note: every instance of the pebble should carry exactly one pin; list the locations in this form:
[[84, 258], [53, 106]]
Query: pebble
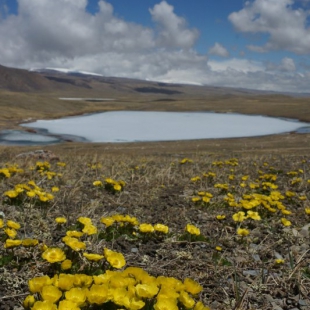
[[134, 250]]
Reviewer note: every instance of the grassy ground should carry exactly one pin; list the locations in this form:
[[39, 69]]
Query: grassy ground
[[266, 269]]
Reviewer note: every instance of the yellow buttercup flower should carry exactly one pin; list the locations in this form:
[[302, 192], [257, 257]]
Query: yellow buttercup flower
[[253, 215], [44, 305], [192, 286], [285, 222], [11, 194], [12, 224], [60, 220], [186, 300], [161, 228], [82, 280], [51, 293], [107, 221], [66, 264], [89, 229], [84, 220], [11, 232], [64, 281], [200, 306], [220, 217], [35, 285], [93, 257], [97, 183], [30, 242], [193, 230], [54, 255], [242, 232], [279, 261], [74, 233], [1, 223], [239, 217], [9, 243], [166, 304], [76, 295], [98, 294], [146, 228], [307, 210], [146, 290], [115, 259], [29, 301], [68, 305], [218, 248]]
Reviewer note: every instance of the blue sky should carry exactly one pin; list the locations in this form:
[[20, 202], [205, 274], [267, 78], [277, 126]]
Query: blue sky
[[261, 44]]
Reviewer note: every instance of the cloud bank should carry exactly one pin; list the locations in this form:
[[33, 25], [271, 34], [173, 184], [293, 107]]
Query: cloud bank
[[62, 34]]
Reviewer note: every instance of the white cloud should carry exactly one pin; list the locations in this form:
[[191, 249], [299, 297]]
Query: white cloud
[[173, 31], [219, 50], [241, 65], [62, 34], [285, 25]]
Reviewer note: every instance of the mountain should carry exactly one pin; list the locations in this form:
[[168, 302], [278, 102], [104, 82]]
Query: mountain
[[22, 80]]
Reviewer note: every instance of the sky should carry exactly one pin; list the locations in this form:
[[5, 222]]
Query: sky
[[255, 44]]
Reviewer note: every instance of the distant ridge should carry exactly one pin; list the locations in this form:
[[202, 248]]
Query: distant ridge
[[22, 80]]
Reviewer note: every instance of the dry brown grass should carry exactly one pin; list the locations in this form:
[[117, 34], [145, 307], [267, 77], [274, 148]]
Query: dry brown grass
[[159, 189]]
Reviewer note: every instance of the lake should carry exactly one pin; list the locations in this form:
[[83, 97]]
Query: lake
[[137, 126]]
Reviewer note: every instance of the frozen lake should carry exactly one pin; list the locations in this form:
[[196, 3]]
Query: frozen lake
[[134, 126]]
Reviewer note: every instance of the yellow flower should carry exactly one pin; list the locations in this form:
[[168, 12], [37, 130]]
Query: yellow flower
[[82, 280], [166, 304], [29, 301], [44, 305], [55, 189], [199, 306], [84, 220], [12, 224], [186, 300], [117, 187], [76, 295], [30, 242], [60, 220], [220, 217], [115, 259], [64, 281], [107, 221], [74, 233], [51, 293], [279, 261], [89, 229], [68, 305], [285, 222], [66, 264], [146, 290], [98, 294], [242, 232], [97, 183], [253, 215], [146, 228], [30, 194], [11, 232], [9, 243], [218, 248], [161, 228], [54, 255], [1, 223], [307, 210], [93, 257], [239, 217], [193, 230], [35, 285], [11, 193], [74, 243], [192, 286]]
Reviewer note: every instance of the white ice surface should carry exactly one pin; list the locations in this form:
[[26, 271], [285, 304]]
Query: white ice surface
[[15, 135], [130, 126]]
